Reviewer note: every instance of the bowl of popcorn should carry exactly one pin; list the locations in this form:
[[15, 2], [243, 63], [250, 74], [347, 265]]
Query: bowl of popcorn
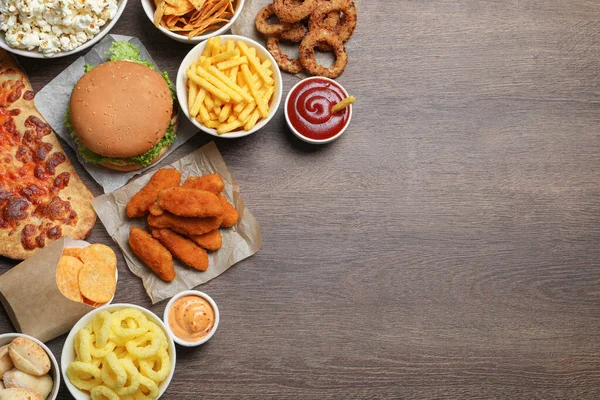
[[55, 28]]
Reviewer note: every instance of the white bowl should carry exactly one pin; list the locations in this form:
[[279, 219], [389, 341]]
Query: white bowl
[[176, 338], [301, 136], [6, 338], [149, 8], [195, 53], [68, 353], [36, 54]]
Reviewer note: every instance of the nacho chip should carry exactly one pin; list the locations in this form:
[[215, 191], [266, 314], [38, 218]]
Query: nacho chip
[[97, 281], [67, 273], [99, 252], [182, 7], [72, 252], [198, 4], [160, 11]]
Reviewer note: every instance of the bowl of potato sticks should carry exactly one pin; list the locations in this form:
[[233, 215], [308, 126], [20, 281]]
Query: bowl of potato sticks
[[192, 21], [27, 368], [229, 86], [118, 351]]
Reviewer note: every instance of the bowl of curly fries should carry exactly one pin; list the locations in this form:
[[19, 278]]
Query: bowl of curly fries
[[118, 351]]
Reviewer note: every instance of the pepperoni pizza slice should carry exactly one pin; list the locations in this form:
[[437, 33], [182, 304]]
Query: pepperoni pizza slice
[[41, 196]]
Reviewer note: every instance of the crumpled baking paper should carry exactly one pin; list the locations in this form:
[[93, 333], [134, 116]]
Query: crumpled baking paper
[[245, 26], [239, 242], [53, 100]]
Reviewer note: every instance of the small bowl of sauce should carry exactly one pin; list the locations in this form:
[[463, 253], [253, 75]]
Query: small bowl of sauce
[[308, 110], [191, 318]]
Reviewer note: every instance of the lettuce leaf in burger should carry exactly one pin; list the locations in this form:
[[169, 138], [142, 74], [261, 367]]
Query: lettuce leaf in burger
[[122, 113]]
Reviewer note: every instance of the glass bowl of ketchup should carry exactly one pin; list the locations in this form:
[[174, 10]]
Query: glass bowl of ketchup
[[308, 110]]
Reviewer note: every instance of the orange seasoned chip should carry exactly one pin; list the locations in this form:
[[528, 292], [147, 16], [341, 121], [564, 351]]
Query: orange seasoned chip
[[72, 251], [180, 8], [99, 252], [67, 273], [91, 303], [97, 281]]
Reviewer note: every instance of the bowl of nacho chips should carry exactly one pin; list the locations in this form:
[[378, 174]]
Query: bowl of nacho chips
[[192, 21]]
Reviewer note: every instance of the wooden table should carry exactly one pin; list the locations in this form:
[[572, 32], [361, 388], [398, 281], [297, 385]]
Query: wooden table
[[447, 246]]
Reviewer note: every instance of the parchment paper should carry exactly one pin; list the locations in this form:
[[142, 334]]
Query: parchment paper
[[239, 242], [53, 100], [31, 298], [245, 26]]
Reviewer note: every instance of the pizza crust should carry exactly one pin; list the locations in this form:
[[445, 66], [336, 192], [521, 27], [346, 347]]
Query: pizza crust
[[75, 192]]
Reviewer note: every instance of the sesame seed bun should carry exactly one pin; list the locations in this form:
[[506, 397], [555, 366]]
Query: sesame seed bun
[[121, 109]]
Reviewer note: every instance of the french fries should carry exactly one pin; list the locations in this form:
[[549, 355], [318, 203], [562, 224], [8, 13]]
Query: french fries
[[229, 87]]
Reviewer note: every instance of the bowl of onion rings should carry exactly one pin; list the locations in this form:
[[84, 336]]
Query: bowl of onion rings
[[116, 351], [208, 86]]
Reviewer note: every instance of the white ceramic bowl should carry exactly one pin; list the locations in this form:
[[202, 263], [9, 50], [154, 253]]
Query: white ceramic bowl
[[6, 338], [301, 136], [195, 53], [36, 54], [205, 339], [149, 8], [68, 353]]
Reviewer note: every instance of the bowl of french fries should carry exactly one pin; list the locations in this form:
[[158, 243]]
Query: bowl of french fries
[[192, 21], [229, 86]]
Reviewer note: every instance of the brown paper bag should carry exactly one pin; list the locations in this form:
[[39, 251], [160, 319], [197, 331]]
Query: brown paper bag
[[32, 300]]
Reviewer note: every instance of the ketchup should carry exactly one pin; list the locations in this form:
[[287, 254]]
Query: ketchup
[[309, 109]]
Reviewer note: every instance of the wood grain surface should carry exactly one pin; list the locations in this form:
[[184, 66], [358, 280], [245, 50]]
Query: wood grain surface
[[447, 246]]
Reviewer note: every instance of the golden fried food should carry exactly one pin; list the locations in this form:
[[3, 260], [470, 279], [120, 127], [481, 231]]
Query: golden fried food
[[189, 202], [185, 225], [307, 53], [210, 241], [140, 203], [230, 214], [211, 182], [182, 248], [152, 253], [155, 209]]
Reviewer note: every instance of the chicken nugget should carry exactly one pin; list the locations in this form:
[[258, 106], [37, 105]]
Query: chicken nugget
[[140, 203], [152, 253], [185, 225], [210, 241], [230, 214], [182, 248], [155, 209], [211, 182], [188, 202]]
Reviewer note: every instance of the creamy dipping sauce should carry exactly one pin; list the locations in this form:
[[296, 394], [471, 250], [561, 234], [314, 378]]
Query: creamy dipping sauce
[[191, 318]]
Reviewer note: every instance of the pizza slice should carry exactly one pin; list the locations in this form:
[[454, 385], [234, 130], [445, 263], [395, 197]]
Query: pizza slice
[[41, 196]]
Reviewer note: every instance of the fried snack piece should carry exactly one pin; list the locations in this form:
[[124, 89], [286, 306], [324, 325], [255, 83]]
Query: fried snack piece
[[140, 203], [182, 248], [72, 252], [211, 182], [289, 12], [230, 214], [155, 209], [307, 53], [320, 18], [67, 277], [185, 225], [97, 281], [210, 241], [188, 202], [152, 253], [289, 30], [291, 65]]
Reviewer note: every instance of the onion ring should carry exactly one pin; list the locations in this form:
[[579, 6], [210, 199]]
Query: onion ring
[[307, 53], [291, 12], [291, 65], [263, 26], [320, 18]]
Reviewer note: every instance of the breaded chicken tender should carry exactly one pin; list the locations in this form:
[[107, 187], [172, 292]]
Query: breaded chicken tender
[[155, 209], [230, 214], [182, 248], [140, 203], [188, 202], [185, 225], [211, 182], [210, 241], [152, 253]]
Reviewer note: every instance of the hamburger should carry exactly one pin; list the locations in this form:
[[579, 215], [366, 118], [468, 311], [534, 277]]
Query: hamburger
[[122, 113]]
